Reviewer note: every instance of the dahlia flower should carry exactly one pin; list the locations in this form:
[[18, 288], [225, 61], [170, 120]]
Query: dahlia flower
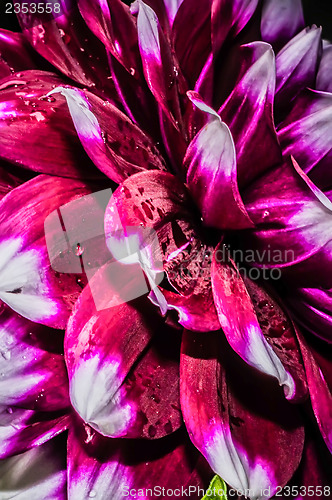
[[205, 126]]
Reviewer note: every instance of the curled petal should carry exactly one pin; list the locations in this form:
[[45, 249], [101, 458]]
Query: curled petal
[[297, 65], [248, 112], [240, 324], [229, 18], [110, 469], [242, 433], [323, 80], [306, 135], [101, 128], [36, 131], [39, 473], [281, 20], [28, 283], [210, 163]]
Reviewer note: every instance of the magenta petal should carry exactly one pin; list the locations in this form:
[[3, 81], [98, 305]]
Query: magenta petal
[[192, 37], [196, 312], [323, 80], [160, 201], [28, 283], [312, 307], [15, 53], [210, 163], [36, 131], [111, 469], [253, 439], [240, 324], [21, 430], [297, 64], [101, 128], [248, 112], [314, 472], [281, 20], [66, 42], [306, 135], [7, 182], [320, 392], [122, 382], [279, 332], [113, 24], [160, 68], [229, 18], [33, 372], [39, 473], [172, 7], [150, 198], [293, 227]]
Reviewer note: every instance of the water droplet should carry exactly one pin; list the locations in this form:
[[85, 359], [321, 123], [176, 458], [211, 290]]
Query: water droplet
[[41, 33], [80, 283], [132, 71], [79, 249], [9, 410], [92, 494], [47, 98], [155, 398], [65, 36], [176, 73], [266, 213], [90, 434]]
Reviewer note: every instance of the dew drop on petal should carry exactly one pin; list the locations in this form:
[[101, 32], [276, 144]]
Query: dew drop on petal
[[132, 71], [90, 434], [92, 494], [79, 249]]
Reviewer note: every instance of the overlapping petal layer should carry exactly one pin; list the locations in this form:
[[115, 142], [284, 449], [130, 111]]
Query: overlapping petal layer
[[240, 432], [37, 131], [29, 285]]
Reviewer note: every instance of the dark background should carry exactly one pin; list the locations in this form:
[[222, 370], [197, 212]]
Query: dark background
[[316, 12]]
